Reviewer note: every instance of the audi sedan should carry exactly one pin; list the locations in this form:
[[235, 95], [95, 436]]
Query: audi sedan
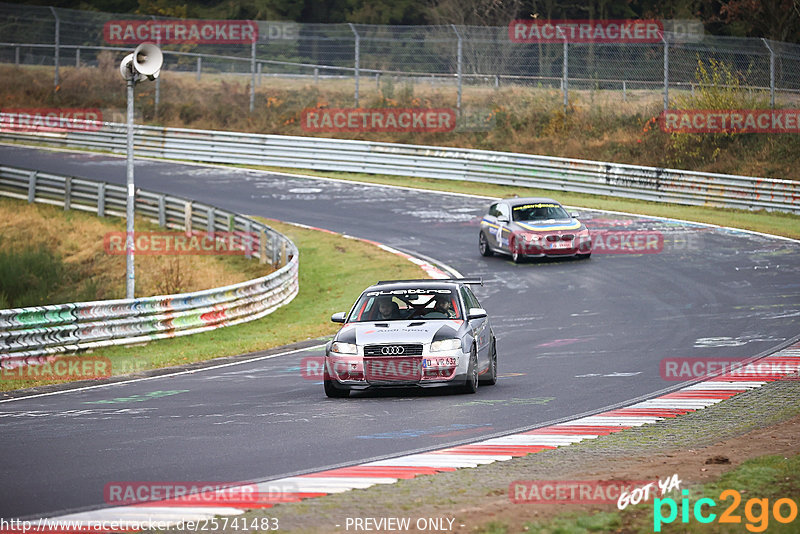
[[532, 227], [412, 333]]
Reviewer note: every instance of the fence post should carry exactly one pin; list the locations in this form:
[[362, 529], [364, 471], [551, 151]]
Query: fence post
[[459, 58], [199, 67], [771, 74], [357, 58], [32, 187], [565, 78], [57, 46], [77, 58], [16, 56], [253, 76], [158, 79], [666, 72], [316, 75], [67, 193]]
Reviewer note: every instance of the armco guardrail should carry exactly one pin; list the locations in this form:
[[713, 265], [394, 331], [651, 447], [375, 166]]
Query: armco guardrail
[[561, 174], [30, 335]]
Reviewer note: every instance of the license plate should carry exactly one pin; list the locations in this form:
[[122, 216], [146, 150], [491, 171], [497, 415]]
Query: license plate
[[562, 244], [439, 362]]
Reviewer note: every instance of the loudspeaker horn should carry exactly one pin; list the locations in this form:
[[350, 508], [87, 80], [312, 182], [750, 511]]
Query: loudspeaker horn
[[147, 60]]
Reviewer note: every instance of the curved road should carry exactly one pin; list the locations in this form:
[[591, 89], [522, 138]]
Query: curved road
[[573, 337]]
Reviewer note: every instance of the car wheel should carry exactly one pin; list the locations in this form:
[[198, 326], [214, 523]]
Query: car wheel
[[332, 391], [490, 378], [471, 384], [515, 254], [483, 245]]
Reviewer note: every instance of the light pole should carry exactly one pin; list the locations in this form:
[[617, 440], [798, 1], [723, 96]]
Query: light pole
[[144, 62]]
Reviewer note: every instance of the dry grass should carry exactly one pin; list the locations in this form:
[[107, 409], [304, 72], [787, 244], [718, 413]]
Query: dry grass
[[90, 273], [601, 124]]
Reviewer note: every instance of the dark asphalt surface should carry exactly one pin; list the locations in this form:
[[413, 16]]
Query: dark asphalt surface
[[573, 336]]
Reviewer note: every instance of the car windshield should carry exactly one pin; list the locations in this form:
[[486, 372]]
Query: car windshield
[[406, 303], [540, 211]]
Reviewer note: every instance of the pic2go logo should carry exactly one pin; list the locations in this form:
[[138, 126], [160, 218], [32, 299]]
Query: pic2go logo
[[756, 511]]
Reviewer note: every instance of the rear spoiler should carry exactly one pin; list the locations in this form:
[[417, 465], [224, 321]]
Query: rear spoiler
[[474, 280]]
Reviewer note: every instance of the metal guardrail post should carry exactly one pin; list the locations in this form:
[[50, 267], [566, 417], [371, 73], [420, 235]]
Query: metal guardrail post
[[199, 67], [56, 79], [77, 58], [32, 187], [16, 56], [262, 246], [210, 217], [187, 218], [162, 210], [101, 200], [274, 247], [248, 239], [459, 58], [624, 92], [771, 73], [67, 193], [357, 59]]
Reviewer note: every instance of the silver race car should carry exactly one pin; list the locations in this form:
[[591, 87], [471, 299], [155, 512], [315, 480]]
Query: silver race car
[[412, 333], [532, 227]]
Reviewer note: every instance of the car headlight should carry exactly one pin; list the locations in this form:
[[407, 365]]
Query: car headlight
[[344, 348], [445, 344]]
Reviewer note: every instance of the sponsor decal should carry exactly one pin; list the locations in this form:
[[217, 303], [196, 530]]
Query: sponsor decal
[[66, 368], [679, 369], [585, 31], [51, 119], [572, 491], [378, 120], [183, 243], [730, 121], [180, 31]]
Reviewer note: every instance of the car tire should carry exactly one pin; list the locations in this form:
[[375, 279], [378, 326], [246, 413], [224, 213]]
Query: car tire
[[332, 391], [483, 245], [514, 248], [471, 382], [490, 378]]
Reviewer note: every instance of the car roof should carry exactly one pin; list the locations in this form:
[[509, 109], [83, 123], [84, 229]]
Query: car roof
[[530, 200], [425, 283]]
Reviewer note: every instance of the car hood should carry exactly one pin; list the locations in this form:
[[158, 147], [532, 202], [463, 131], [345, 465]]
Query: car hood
[[407, 331], [550, 225]]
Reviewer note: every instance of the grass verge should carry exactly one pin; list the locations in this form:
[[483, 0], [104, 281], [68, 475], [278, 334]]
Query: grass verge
[[333, 271]]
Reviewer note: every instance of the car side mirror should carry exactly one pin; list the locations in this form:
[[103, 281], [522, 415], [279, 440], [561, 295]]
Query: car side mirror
[[502, 219], [338, 317], [476, 313], [575, 215]]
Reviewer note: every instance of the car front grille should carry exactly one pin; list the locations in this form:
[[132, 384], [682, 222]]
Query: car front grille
[[397, 349], [402, 369]]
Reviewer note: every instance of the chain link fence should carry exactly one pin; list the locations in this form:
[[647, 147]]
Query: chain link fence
[[453, 57]]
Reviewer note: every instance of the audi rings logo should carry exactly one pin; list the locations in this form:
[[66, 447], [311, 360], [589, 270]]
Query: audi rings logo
[[392, 350]]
